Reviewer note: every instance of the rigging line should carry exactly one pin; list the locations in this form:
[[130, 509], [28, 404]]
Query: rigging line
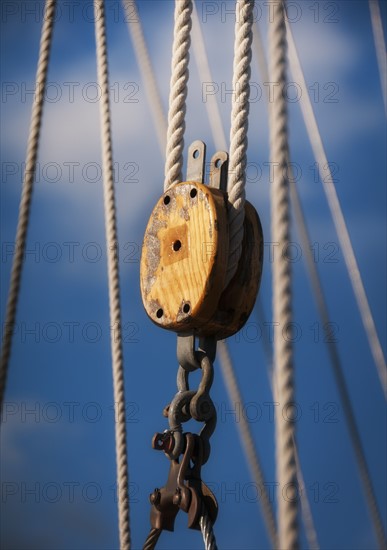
[[152, 538], [200, 54], [338, 371], [178, 93], [282, 289], [380, 46], [332, 350], [337, 214], [306, 512], [307, 516], [228, 371], [220, 140], [238, 132], [113, 278], [206, 528], [261, 58], [247, 440], [147, 71], [27, 190]]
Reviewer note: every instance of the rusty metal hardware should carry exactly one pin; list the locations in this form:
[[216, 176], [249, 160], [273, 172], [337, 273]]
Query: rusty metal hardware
[[184, 490], [188, 403], [199, 319], [163, 441], [187, 356]]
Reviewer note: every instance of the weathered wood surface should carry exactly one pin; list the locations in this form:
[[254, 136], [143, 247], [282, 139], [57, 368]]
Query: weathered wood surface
[[184, 257], [237, 301]]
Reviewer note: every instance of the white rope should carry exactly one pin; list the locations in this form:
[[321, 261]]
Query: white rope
[[238, 132], [337, 214], [307, 517], [147, 72], [228, 371], [340, 379], [178, 93], [212, 108], [113, 277], [310, 530], [365, 477], [28, 184], [224, 357], [338, 372], [283, 354], [380, 46], [206, 528], [261, 57], [247, 441]]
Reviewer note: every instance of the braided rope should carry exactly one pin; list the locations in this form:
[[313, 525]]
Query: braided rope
[[28, 184], [113, 278], [207, 530], [283, 356], [178, 93], [238, 133]]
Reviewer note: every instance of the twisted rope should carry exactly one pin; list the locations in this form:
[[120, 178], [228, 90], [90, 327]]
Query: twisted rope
[[152, 538], [337, 215], [353, 429], [247, 441], [220, 142], [338, 373], [380, 46], [178, 93], [147, 73], [238, 133], [206, 528], [113, 277], [28, 183], [283, 353], [306, 512], [211, 103]]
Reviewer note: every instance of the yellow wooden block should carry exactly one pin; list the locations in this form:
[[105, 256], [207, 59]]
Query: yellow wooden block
[[184, 256]]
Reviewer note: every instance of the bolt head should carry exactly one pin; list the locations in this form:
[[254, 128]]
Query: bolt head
[[155, 496], [177, 498]]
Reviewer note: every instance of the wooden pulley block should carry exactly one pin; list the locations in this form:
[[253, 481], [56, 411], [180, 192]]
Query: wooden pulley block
[[237, 300], [185, 251]]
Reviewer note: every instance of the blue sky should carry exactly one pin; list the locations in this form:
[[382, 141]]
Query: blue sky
[[58, 468]]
